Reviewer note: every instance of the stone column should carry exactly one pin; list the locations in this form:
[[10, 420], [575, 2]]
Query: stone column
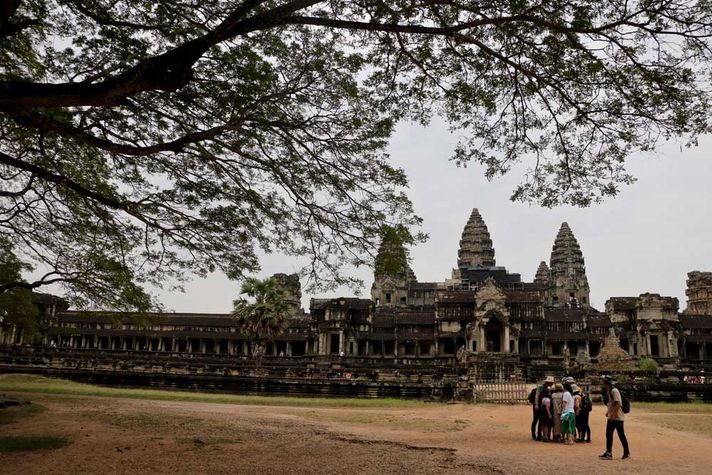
[[289, 348], [505, 335], [482, 339]]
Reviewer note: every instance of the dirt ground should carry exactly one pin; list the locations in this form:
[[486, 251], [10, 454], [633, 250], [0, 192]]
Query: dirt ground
[[130, 436]]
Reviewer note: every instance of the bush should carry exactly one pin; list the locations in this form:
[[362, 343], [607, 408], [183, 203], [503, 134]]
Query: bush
[[648, 365]]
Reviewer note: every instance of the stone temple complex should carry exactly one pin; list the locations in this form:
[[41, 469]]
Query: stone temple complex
[[481, 311]]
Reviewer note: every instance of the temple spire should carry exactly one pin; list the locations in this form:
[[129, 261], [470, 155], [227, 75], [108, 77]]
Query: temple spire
[[475, 246], [542, 274], [393, 276], [568, 284]]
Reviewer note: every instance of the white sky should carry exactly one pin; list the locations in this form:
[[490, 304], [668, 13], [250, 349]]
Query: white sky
[[645, 240]]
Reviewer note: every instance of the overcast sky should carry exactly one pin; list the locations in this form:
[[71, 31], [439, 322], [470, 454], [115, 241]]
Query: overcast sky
[[645, 240]]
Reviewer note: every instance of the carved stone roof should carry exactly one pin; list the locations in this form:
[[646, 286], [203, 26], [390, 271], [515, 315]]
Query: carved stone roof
[[599, 320], [695, 321], [351, 303], [523, 295], [621, 304], [559, 314], [476, 245], [424, 285], [455, 296]]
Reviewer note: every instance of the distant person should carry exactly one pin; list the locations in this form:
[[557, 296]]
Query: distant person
[[547, 418], [582, 417], [536, 412], [537, 427], [616, 418], [568, 416], [557, 408]]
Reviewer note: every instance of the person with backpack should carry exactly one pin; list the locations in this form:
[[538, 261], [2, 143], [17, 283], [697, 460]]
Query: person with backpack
[[535, 400], [618, 406], [584, 429]]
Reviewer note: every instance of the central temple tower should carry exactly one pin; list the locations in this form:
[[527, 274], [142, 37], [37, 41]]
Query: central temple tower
[[568, 285], [476, 248]]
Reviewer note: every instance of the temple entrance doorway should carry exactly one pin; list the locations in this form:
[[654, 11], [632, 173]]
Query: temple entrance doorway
[[493, 334], [334, 344]]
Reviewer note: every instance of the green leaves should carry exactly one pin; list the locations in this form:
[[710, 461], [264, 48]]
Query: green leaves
[[147, 142], [266, 315]]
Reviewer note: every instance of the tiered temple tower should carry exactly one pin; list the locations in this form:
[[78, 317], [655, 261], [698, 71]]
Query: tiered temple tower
[[393, 276], [292, 288], [699, 293], [568, 285], [476, 245], [542, 275]]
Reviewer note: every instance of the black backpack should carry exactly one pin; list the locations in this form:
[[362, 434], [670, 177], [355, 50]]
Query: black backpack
[[586, 403], [532, 396], [625, 403]]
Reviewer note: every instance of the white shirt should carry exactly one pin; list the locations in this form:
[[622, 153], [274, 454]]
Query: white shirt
[[568, 402]]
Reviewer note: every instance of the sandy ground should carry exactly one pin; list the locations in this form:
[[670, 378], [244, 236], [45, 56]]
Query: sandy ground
[[137, 436]]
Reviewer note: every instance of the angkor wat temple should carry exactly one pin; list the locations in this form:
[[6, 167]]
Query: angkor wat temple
[[481, 311]]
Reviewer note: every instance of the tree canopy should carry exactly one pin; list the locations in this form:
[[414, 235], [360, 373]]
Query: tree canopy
[[17, 304], [141, 142]]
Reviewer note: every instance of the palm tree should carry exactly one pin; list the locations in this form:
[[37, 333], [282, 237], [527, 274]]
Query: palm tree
[[263, 318]]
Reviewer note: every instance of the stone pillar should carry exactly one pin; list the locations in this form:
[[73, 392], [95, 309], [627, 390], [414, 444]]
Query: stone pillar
[[505, 346], [289, 348], [342, 343], [481, 339]]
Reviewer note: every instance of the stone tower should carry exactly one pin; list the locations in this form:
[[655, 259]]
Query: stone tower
[[475, 246], [542, 275], [292, 288], [392, 276], [568, 285], [699, 293]]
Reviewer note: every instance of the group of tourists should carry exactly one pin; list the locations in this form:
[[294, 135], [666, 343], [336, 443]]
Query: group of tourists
[[561, 413]]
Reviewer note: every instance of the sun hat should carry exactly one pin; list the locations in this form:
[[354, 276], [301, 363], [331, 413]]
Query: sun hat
[[558, 387], [567, 380], [549, 379], [575, 389]]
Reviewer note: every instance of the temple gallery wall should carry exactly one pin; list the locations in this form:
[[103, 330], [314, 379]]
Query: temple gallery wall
[[480, 309]]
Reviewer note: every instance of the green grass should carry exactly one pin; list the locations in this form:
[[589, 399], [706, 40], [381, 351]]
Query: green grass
[[25, 444], [39, 384], [698, 407]]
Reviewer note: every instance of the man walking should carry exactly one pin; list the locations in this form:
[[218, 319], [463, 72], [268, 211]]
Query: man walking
[[615, 417]]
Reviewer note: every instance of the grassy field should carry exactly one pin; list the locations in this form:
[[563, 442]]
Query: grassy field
[[39, 384]]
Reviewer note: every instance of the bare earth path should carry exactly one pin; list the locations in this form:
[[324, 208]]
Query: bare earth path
[[139, 436]]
